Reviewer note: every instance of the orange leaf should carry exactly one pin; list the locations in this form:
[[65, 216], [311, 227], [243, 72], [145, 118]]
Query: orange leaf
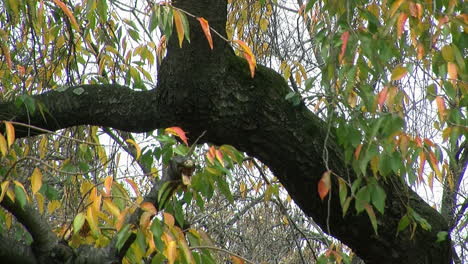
[[248, 56], [219, 156], [357, 151], [422, 161], [6, 53], [10, 132], [210, 155], [134, 186], [148, 207], [420, 51], [108, 185], [68, 13], [206, 29], [452, 70], [401, 23], [179, 26], [237, 260], [440, 107], [177, 131], [324, 184], [382, 97], [344, 38], [169, 219]]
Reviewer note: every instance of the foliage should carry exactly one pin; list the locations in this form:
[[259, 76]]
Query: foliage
[[388, 77]]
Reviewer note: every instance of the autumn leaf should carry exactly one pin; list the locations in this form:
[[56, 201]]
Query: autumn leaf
[[206, 29], [179, 26], [401, 23], [36, 180], [357, 151], [177, 131], [108, 185], [78, 222], [10, 133], [168, 219], [219, 157], [137, 147], [248, 56], [344, 39], [3, 145], [68, 13], [398, 73], [211, 153], [422, 162], [134, 186], [148, 207], [441, 107], [382, 97], [434, 165], [237, 260], [451, 69], [324, 184]]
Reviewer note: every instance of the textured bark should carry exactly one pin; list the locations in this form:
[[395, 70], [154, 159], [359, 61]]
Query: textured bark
[[201, 89]]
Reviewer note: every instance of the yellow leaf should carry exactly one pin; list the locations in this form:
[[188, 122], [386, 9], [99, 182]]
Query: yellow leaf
[[10, 132], [68, 13], [53, 205], [171, 251], [36, 180], [137, 147], [3, 145], [179, 26], [43, 146], [92, 219], [248, 56], [40, 202], [398, 73], [395, 6], [447, 53], [4, 186], [111, 207], [145, 219]]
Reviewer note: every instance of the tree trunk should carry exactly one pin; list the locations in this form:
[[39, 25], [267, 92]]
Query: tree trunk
[[201, 89]]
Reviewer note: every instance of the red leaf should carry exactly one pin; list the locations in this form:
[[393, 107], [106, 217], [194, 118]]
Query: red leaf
[[344, 38], [177, 131], [382, 97], [324, 184], [206, 29]]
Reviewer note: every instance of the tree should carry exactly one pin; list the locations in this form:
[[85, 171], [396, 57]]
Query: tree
[[357, 152]]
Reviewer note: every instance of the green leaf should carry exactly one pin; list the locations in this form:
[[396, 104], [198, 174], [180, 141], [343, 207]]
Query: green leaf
[[309, 5], [441, 236], [224, 188], [378, 198], [363, 197], [404, 222], [122, 236], [20, 196], [78, 222], [343, 191], [157, 229]]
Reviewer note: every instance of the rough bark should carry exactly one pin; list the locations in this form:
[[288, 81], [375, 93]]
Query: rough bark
[[201, 89]]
